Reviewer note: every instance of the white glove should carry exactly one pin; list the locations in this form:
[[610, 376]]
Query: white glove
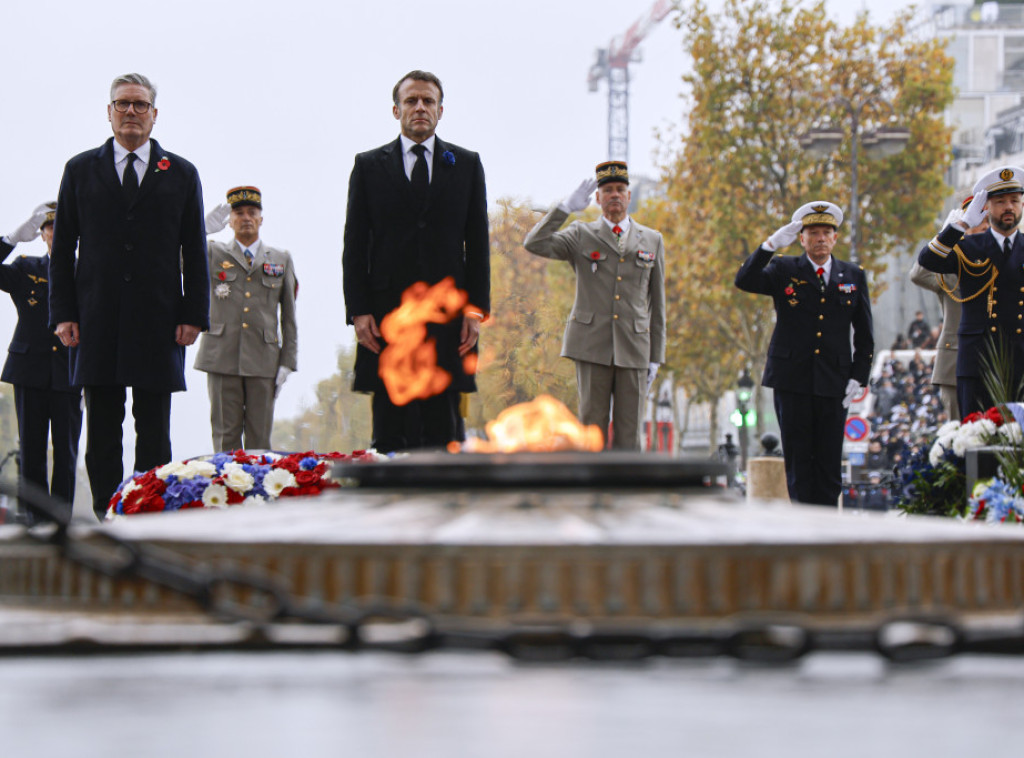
[[282, 375], [975, 212], [784, 237], [217, 219], [30, 229], [580, 198], [652, 373], [853, 389], [956, 216]]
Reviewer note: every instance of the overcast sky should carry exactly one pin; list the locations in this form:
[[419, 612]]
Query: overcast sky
[[283, 93]]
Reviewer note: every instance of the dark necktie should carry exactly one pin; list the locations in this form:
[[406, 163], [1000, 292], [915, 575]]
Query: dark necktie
[[1007, 247], [821, 278], [130, 179], [420, 177]]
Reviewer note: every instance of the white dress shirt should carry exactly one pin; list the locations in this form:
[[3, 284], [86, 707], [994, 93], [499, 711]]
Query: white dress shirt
[[141, 160], [827, 265], [409, 157]]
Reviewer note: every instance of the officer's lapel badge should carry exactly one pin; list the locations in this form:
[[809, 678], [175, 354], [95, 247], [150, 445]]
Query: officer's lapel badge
[[645, 255], [222, 290], [37, 279], [273, 269], [32, 301], [227, 264], [797, 281]]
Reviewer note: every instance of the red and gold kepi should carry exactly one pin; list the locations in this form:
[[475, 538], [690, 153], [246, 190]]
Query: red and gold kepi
[[1001, 181], [612, 171], [245, 196], [819, 212]]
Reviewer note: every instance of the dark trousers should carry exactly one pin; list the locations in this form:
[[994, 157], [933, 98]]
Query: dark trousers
[[103, 452], [433, 422], [811, 427], [44, 414], [971, 395]]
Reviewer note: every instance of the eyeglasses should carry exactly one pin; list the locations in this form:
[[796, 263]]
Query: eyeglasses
[[140, 106]]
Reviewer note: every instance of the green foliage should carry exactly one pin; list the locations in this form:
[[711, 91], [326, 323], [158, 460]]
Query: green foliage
[[938, 491]]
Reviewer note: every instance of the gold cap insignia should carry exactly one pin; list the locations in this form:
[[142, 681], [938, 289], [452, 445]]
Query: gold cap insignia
[[1006, 174]]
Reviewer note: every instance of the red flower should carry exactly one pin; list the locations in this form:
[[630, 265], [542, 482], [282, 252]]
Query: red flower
[[163, 164], [307, 478], [789, 290], [970, 418], [993, 415], [221, 275], [234, 498], [595, 256]]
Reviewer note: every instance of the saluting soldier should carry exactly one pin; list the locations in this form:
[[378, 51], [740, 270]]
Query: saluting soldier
[[989, 269], [47, 406], [616, 330], [818, 300], [945, 286], [252, 344]]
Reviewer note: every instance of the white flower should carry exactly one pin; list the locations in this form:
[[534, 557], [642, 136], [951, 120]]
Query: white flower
[[255, 500], [128, 489], [198, 468], [276, 480], [174, 468], [215, 496], [948, 429], [937, 452], [238, 478], [1011, 433]]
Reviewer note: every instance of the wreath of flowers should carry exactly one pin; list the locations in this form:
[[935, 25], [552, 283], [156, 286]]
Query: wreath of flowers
[[228, 479], [935, 483]]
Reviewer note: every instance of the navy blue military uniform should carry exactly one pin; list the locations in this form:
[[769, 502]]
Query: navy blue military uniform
[[809, 362], [992, 288], [46, 403]]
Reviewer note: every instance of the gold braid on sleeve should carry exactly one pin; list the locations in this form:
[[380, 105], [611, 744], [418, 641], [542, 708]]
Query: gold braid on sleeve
[[975, 269]]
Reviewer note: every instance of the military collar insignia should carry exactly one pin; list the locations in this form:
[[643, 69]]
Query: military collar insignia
[[226, 264]]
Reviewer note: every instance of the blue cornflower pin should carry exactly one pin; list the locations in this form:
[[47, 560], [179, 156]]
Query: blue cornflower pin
[[449, 157]]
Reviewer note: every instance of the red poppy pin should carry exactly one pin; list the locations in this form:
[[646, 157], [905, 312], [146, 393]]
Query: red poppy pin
[[595, 256], [163, 164], [221, 275], [789, 290]]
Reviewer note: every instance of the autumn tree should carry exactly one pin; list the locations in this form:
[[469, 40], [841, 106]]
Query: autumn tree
[[520, 344], [763, 73]]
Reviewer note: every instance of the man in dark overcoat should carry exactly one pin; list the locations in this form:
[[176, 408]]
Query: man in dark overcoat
[[48, 407], [417, 212], [138, 293], [819, 300]]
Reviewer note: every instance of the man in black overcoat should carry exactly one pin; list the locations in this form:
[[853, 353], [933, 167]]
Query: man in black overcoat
[[138, 293], [48, 407], [989, 270], [818, 300], [417, 212]]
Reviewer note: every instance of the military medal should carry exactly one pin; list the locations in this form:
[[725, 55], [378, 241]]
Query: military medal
[[273, 269], [645, 255], [222, 290], [595, 257], [227, 264]]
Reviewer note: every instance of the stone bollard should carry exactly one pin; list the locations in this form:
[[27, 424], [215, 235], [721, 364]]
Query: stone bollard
[[766, 479]]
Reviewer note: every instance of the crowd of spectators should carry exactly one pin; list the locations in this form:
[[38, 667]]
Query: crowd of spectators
[[905, 414]]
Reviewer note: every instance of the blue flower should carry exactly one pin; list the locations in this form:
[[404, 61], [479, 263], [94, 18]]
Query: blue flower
[[449, 157], [307, 464], [184, 491]]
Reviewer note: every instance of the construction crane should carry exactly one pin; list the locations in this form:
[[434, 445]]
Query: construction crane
[[612, 63]]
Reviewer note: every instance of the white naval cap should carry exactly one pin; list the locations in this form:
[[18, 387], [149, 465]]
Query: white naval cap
[[1001, 181], [819, 212]]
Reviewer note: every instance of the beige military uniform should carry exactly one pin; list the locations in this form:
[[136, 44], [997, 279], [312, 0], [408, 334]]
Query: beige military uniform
[[247, 343], [617, 319], [944, 372]]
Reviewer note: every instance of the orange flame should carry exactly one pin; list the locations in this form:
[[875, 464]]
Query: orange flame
[[408, 365], [543, 425]]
